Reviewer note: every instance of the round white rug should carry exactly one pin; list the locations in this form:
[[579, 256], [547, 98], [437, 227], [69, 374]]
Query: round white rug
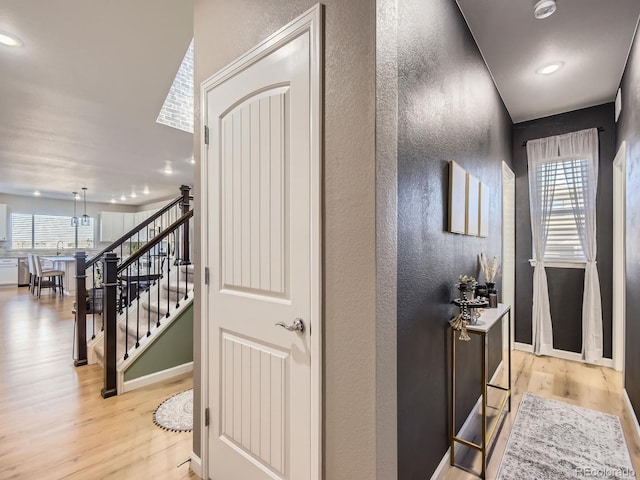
[[176, 413]]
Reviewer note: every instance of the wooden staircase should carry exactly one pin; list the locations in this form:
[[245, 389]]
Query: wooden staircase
[[135, 293], [152, 312]]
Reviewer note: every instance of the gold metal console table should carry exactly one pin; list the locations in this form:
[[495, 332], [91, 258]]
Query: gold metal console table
[[489, 318]]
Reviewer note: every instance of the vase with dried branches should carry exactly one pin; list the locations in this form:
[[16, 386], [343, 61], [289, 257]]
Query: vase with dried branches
[[490, 270]]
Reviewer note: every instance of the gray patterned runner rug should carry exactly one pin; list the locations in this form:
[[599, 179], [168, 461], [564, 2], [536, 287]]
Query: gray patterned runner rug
[[553, 440], [176, 412]]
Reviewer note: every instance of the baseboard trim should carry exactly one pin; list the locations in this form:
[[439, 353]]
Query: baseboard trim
[[444, 465], [195, 464], [523, 347], [632, 412], [155, 377], [563, 354]]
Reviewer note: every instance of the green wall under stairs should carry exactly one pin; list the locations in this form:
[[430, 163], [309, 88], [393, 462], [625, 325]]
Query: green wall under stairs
[[173, 347]]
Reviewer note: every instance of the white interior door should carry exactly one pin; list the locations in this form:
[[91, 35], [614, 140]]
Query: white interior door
[[262, 222], [619, 218], [508, 244]]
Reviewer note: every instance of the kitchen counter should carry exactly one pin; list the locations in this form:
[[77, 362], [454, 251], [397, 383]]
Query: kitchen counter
[[61, 258]]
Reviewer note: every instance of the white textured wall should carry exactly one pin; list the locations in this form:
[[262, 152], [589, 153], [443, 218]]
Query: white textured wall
[[225, 29]]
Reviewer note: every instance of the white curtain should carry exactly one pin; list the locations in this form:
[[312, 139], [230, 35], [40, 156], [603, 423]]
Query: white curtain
[[542, 174], [582, 180]]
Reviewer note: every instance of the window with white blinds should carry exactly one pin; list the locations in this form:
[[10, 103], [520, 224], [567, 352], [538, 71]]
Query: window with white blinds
[[21, 231], [564, 182], [45, 231]]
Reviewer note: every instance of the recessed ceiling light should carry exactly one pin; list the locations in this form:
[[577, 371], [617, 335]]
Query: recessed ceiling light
[[544, 9], [549, 68], [9, 40], [133, 195], [167, 170], [146, 191], [113, 200], [123, 197], [36, 193]]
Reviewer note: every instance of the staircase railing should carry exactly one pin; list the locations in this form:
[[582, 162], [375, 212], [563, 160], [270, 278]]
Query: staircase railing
[[89, 271], [129, 284]]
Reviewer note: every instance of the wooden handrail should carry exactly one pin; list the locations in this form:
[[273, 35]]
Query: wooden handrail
[[134, 230], [156, 240]]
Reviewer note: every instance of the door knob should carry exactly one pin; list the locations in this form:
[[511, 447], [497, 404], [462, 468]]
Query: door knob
[[298, 326]]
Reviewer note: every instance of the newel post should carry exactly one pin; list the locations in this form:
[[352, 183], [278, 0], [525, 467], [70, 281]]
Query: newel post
[[81, 309], [110, 313], [186, 206]]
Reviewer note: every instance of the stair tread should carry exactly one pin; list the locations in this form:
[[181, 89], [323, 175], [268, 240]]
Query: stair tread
[[181, 287]]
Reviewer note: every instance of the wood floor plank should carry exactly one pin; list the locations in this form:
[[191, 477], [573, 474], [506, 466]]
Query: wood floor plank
[[55, 424]]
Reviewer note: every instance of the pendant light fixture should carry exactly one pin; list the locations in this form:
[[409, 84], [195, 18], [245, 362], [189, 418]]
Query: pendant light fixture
[[75, 221], [85, 221]]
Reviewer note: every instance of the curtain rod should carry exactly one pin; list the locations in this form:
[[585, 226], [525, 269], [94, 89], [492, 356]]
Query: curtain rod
[[600, 129]]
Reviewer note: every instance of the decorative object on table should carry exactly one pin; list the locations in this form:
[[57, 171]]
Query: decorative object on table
[[467, 286], [481, 291], [490, 270], [469, 306], [176, 412], [470, 311], [552, 439], [493, 300], [459, 323]]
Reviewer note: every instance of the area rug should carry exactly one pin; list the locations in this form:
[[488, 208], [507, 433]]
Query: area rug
[[176, 412], [555, 440]]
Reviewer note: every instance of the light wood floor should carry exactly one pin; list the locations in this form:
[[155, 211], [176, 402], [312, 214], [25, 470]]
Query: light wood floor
[[597, 388], [53, 422], [55, 425]]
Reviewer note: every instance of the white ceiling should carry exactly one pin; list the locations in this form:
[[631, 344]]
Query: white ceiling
[[591, 37], [79, 101]]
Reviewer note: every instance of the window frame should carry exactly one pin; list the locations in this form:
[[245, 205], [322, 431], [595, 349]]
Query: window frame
[[557, 261]]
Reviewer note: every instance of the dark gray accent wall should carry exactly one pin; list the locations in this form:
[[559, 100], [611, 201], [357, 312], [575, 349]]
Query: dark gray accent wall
[[448, 109], [629, 131], [565, 285]]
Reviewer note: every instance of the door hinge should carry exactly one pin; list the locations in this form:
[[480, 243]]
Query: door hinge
[[206, 417], [206, 275], [206, 135]]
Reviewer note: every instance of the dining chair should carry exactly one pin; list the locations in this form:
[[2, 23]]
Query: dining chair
[[32, 273], [55, 278]]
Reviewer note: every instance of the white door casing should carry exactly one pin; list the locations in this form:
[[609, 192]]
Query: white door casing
[[619, 281], [261, 175], [508, 245]]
